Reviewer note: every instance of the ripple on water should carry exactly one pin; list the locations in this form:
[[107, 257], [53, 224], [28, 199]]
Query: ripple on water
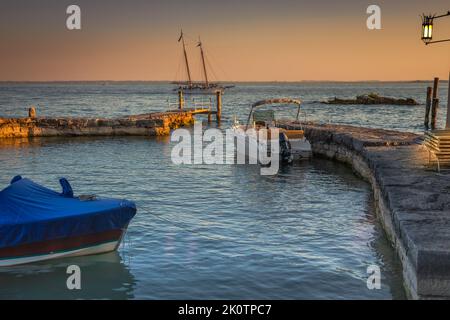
[[210, 231]]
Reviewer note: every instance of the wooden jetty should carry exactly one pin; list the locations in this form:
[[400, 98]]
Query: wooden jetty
[[203, 108]]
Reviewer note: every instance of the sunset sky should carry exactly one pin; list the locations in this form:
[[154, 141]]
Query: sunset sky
[[246, 40]]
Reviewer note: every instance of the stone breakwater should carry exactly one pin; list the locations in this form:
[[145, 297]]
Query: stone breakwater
[[413, 202], [151, 124]]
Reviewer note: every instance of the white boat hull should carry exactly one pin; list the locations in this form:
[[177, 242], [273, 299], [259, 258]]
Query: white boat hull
[[300, 148]]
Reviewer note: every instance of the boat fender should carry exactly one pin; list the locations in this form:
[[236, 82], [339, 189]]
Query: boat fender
[[15, 179], [66, 188]]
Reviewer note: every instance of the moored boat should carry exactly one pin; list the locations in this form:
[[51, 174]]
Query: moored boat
[[293, 144], [39, 224]]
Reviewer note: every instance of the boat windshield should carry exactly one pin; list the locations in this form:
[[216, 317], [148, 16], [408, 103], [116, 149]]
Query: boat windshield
[[267, 112], [266, 116]]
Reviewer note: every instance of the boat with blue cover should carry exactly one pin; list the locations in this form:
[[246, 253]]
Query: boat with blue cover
[[38, 224]]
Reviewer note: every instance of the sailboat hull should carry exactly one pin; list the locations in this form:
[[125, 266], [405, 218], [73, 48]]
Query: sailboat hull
[[200, 89]]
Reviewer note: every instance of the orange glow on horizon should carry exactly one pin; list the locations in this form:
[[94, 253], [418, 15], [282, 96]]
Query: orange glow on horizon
[[340, 48]]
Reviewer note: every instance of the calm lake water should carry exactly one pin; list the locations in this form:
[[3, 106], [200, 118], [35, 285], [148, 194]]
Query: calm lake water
[[212, 232]]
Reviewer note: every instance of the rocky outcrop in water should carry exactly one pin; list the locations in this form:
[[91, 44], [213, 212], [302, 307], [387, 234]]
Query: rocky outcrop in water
[[374, 98]]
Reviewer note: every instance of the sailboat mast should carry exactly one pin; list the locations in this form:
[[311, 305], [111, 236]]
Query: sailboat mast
[[203, 61], [186, 59]]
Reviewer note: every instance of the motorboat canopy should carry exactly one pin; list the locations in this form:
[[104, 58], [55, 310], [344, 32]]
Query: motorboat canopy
[[275, 101]]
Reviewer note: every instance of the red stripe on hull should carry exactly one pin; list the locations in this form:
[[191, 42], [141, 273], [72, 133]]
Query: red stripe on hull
[[56, 245]]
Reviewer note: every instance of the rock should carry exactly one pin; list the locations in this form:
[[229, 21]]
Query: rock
[[146, 123], [373, 98]]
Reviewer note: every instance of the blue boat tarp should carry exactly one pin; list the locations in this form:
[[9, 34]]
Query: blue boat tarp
[[31, 213]]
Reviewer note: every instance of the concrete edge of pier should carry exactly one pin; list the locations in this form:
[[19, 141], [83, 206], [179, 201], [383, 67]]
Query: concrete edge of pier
[[412, 199]]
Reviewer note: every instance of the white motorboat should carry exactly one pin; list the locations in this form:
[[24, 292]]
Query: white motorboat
[[293, 144]]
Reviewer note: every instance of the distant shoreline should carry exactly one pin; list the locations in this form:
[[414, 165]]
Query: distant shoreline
[[106, 82]]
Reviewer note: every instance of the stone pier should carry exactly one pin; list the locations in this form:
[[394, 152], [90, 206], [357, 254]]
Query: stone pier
[[151, 124], [413, 200]]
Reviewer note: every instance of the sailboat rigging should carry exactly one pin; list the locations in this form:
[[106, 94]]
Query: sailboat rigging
[[186, 59], [190, 86], [203, 61]]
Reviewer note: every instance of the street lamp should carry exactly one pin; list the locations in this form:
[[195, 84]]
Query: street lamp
[[427, 28], [427, 37]]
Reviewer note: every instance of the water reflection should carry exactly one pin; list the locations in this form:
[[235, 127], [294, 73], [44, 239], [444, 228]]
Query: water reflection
[[102, 277], [209, 231]]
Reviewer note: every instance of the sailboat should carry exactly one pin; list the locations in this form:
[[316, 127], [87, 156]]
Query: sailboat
[[191, 86]]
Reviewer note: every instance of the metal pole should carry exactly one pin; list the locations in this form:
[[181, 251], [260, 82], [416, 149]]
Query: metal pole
[[437, 41], [442, 15]]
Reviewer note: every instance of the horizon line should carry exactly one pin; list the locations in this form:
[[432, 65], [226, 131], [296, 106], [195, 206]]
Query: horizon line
[[222, 81]]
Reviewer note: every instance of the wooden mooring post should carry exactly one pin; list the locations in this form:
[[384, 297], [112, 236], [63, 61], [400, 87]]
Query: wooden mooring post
[[428, 107], [219, 105], [447, 122], [180, 100], [203, 109], [435, 104], [32, 112]]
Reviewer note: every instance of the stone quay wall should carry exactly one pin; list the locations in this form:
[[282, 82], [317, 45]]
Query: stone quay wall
[[412, 198]]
